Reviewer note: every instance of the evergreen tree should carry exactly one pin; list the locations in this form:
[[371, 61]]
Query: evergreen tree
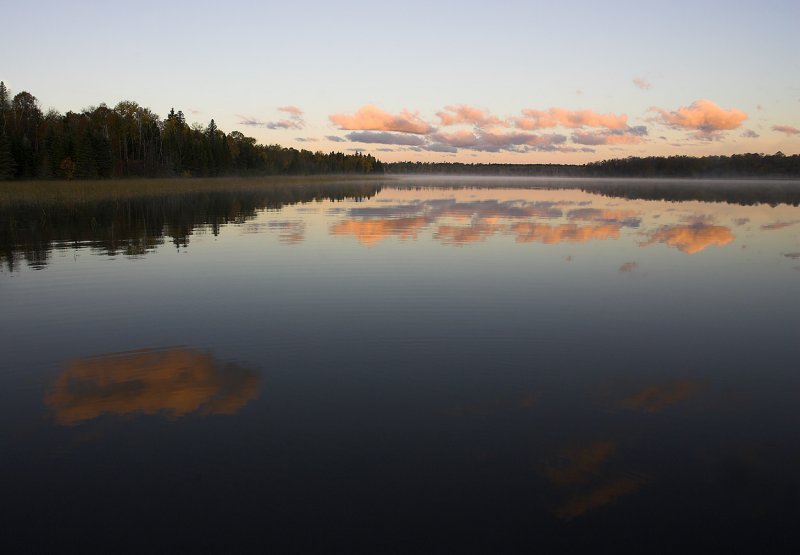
[[5, 103]]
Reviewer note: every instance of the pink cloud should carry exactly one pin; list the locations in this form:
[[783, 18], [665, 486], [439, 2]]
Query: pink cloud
[[372, 118], [469, 115], [642, 83], [494, 142], [704, 117], [786, 129], [293, 110], [538, 119]]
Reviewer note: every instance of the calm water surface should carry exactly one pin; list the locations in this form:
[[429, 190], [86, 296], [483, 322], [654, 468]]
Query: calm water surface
[[483, 365]]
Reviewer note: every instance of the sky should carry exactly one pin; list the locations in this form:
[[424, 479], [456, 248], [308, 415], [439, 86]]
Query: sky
[[505, 82]]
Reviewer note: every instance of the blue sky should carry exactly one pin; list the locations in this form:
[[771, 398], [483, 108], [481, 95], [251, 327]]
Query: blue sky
[[239, 62]]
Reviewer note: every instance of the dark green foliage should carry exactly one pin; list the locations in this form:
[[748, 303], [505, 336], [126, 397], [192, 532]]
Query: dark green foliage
[[6, 161], [751, 165], [738, 165], [129, 140], [5, 102]]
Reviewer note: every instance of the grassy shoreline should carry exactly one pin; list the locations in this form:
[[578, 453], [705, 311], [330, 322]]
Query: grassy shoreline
[[49, 191]]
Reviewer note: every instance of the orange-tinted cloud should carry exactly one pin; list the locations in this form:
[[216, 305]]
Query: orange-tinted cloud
[[564, 233], [642, 83], [628, 267], [600, 496], [658, 397], [691, 238], [372, 118], [786, 129], [293, 110], [469, 115], [539, 119], [373, 231], [175, 382], [702, 116], [580, 465]]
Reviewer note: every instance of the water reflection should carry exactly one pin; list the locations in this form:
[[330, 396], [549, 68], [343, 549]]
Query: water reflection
[[691, 238], [564, 233], [457, 222], [538, 212], [587, 480], [174, 382], [745, 192], [599, 496], [658, 397], [132, 225], [373, 231], [777, 225], [578, 465], [486, 408], [568, 368]]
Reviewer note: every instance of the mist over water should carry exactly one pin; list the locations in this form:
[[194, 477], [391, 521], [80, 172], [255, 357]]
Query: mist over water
[[405, 364]]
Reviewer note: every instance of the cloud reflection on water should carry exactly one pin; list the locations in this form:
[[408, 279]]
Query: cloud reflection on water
[[691, 238], [578, 465], [174, 382], [658, 397], [599, 496], [457, 222]]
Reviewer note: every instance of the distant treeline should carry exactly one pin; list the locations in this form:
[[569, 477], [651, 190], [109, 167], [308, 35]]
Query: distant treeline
[[737, 165], [130, 140]]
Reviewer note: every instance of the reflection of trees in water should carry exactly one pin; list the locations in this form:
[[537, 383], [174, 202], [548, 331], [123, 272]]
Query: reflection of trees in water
[[135, 225], [174, 382], [745, 193]]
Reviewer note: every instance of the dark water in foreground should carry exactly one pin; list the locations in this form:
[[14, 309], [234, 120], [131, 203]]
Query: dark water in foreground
[[402, 369]]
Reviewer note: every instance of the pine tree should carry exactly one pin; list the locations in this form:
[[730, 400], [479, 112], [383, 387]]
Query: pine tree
[[5, 101], [7, 164], [211, 130]]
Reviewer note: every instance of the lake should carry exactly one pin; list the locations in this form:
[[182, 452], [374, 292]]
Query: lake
[[403, 365]]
